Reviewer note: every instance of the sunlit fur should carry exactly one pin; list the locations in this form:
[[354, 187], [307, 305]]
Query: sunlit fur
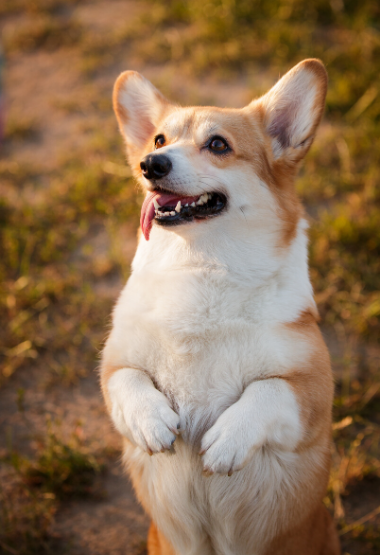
[[215, 333]]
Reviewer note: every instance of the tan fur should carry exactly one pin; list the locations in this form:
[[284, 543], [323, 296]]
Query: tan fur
[[313, 536], [157, 543], [316, 536]]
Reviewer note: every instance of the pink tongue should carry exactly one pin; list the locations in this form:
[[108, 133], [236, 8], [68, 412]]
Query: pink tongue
[[148, 210]]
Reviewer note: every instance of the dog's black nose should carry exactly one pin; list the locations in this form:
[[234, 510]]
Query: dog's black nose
[[155, 166]]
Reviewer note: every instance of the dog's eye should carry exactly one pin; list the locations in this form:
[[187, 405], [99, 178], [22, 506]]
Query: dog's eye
[[217, 144], [159, 141]]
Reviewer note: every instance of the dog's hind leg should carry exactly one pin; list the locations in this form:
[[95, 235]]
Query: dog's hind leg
[[331, 545], [315, 535], [157, 543]]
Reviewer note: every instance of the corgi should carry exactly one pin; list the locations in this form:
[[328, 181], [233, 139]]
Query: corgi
[[215, 371]]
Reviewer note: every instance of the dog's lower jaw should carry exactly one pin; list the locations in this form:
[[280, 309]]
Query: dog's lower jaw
[[209, 208]]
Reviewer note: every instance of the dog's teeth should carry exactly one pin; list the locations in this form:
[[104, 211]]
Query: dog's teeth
[[192, 204], [172, 213], [199, 202], [204, 197], [186, 205], [156, 205], [160, 213], [178, 207]]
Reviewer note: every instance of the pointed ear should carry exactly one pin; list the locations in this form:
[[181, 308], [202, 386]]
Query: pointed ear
[[138, 106], [293, 108]]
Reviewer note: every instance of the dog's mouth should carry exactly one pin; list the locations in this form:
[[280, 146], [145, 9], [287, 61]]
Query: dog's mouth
[[168, 209]]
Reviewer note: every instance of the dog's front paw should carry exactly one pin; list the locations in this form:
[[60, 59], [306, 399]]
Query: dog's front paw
[[153, 427], [229, 443], [156, 429], [141, 413]]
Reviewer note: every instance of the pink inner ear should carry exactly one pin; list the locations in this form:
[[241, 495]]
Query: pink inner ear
[[281, 123]]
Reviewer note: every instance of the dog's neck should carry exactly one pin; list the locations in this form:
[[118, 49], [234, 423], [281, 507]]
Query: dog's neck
[[276, 277]]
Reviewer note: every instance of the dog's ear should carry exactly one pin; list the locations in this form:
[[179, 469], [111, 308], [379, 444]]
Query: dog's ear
[[138, 106], [293, 108]]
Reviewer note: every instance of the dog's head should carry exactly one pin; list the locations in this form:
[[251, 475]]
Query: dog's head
[[221, 167]]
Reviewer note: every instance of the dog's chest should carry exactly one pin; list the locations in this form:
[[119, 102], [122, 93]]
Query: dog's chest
[[199, 334]]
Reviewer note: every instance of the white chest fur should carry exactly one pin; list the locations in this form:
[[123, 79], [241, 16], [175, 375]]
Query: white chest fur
[[202, 331]]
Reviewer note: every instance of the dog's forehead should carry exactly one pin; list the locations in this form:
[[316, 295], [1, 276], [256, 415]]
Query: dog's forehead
[[197, 123]]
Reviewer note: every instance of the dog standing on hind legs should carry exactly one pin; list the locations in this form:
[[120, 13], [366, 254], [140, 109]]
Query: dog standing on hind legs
[[215, 371]]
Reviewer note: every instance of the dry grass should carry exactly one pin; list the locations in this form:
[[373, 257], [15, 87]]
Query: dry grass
[[25, 519], [60, 469], [42, 32], [20, 129], [51, 261]]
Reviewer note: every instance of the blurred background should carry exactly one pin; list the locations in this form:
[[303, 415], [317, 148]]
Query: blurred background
[[69, 213]]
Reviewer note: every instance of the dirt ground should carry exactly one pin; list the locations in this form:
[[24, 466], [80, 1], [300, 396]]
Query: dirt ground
[[49, 89]]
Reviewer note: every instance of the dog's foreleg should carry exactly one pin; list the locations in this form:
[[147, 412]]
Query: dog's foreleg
[[266, 414], [139, 411]]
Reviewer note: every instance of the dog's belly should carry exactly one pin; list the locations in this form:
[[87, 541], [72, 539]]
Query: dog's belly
[[233, 515]]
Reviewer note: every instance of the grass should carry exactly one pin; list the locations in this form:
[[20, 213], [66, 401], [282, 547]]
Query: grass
[[50, 262], [60, 469], [36, 7], [41, 256], [25, 519], [20, 129], [42, 32]]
